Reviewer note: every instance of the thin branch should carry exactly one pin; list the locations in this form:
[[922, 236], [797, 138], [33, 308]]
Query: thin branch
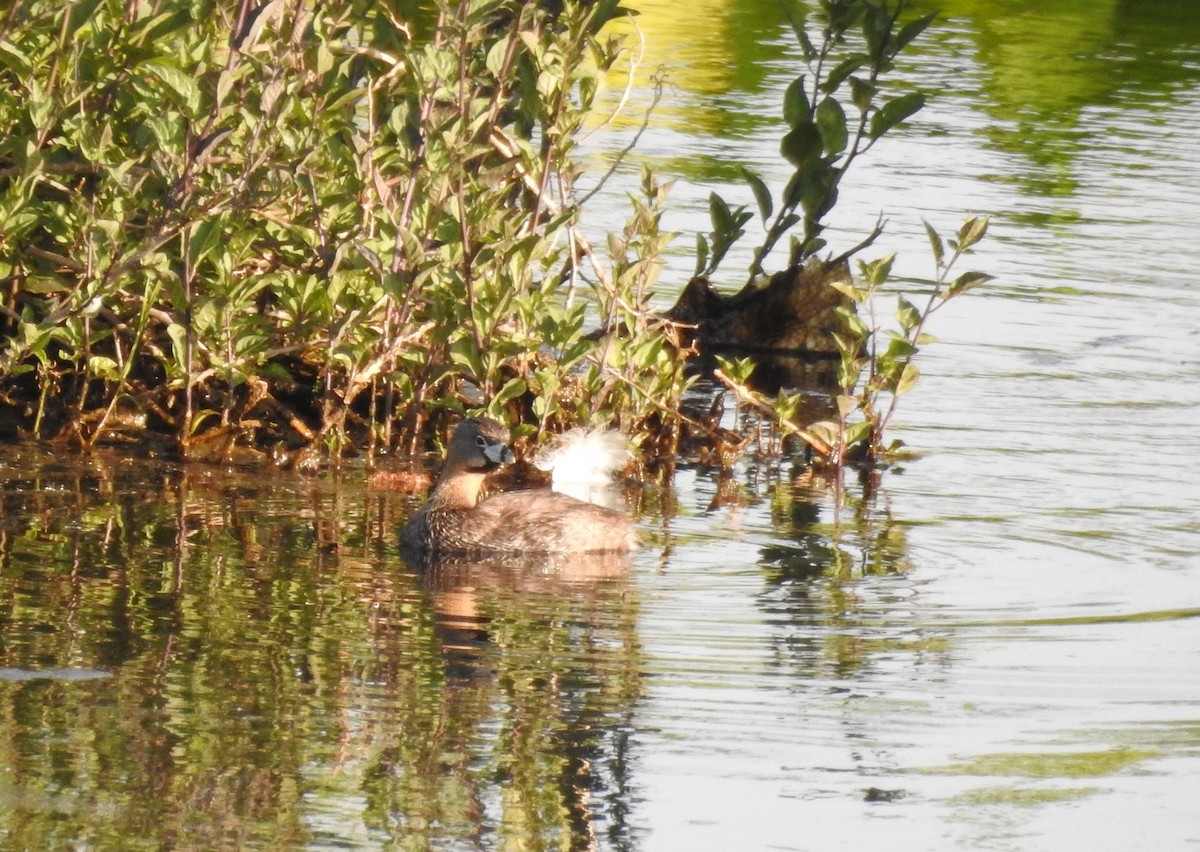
[[624, 152], [749, 397]]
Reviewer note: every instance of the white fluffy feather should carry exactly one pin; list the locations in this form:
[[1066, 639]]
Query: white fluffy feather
[[581, 463]]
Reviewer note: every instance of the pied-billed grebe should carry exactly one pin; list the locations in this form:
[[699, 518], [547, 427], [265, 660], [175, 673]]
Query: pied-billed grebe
[[455, 520]]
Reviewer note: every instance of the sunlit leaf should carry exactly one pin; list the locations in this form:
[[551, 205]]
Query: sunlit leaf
[[40, 105], [876, 272], [185, 86], [853, 322], [44, 285], [849, 290], [104, 367], [971, 232], [847, 346], [899, 348], [495, 56], [530, 40], [907, 314], [907, 379], [827, 434], [512, 389], [856, 433], [178, 335], [848, 371], [15, 59]]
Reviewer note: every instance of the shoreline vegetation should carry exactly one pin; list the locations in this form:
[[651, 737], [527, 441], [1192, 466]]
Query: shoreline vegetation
[[294, 231]]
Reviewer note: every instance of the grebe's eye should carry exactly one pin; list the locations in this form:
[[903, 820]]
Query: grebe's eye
[[481, 442]]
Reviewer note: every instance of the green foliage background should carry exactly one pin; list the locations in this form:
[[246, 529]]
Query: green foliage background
[[311, 221], [308, 225]]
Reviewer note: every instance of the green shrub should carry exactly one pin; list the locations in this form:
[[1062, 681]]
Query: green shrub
[[317, 220]]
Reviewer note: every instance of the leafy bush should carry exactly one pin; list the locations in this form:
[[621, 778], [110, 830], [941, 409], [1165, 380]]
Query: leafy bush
[[836, 110], [303, 219], [319, 225]]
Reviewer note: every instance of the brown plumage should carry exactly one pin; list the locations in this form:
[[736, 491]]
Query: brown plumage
[[455, 520]]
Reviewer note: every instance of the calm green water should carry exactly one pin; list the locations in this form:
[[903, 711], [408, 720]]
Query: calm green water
[[999, 651]]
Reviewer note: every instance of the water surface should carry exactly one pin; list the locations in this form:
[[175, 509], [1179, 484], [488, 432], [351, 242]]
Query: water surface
[[996, 649]]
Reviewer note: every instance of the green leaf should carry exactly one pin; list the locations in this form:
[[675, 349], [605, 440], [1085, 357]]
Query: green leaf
[[849, 348], [104, 367], [178, 335], [184, 85], [877, 26], [737, 369], [971, 232], [167, 131], [831, 121], [802, 145], [862, 93], [762, 195], [40, 105], [825, 431], [35, 337], [967, 281], [530, 39], [907, 379], [511, 390], [464, 353], [856, 433], [205, 237], [16, 60], [895, 111], [787, 222], [44, 285], [843, 70], [796, 108], [913, 29], [495, 56], [899, 349], [721, 215], [907, 315], [935, 242], [848, 290], [853, 322], [616, 247], [701, 255], [156, 28], [877, 271], [793, 190]]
